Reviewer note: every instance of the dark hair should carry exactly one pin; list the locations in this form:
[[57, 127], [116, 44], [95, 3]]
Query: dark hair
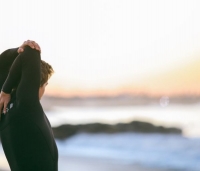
[[46, 72]]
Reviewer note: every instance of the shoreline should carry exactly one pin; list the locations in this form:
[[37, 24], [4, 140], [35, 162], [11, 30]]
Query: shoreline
[[77, 163]]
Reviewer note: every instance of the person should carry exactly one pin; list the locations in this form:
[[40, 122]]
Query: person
[[26, 134]]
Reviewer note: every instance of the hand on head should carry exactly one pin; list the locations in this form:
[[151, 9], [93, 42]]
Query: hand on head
[[5, 98], [30, 43]]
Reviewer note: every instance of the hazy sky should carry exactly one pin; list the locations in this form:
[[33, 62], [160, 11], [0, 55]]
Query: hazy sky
[[98, 46]]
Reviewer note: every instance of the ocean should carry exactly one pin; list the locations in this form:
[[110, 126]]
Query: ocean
[[160, 151], [185, 117]]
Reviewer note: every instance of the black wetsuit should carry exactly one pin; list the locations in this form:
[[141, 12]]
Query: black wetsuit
[[26, 134]]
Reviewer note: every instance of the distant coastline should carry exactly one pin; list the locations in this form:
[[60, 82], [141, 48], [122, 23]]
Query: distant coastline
[[121, 100]]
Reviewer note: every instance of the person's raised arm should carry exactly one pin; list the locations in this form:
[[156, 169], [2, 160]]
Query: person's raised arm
[[25, 71], [8, 56]]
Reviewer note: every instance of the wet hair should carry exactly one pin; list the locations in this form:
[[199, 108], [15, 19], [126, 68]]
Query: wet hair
[[46, 72]]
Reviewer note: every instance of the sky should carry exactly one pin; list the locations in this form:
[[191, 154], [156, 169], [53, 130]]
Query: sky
[[109, 47]]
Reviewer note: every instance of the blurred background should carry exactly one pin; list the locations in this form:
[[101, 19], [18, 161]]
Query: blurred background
[[126, 90]]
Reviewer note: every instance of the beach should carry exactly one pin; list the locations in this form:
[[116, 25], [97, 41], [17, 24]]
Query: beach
[[74, 163]]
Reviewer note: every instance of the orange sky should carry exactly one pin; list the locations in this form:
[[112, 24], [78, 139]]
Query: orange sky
[[184, 79]]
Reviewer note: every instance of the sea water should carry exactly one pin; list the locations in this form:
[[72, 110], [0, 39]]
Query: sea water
[[185, 117], [149, 150], [181, 152]]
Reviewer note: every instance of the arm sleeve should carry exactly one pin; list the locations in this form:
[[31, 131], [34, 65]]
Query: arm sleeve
[[6, 60], [25, 70]]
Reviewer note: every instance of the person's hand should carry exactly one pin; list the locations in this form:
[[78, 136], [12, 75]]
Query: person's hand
[[4, 100], [30, 43]]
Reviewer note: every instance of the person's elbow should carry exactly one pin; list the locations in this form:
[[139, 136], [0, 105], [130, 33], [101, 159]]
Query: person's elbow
[[29, 50]]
